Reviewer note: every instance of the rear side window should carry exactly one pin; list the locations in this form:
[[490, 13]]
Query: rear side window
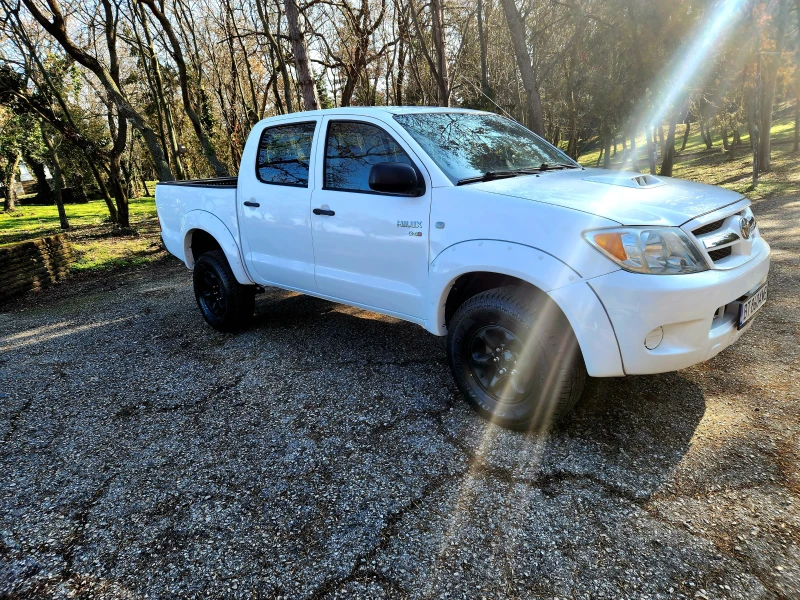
[[283, 154], [351, 150]]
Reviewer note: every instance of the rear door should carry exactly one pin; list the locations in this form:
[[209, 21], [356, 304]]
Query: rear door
[[371, 248], [274, 197]]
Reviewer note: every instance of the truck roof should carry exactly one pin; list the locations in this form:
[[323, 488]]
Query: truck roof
[[377, 111]]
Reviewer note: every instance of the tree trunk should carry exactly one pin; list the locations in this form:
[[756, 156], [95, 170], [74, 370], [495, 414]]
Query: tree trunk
[[437, 30], [482, 41], [686, 131], [516, 27], [401, 72], [98, 177], [57, 177], [656, 147], [796, 146], [669, 151], [10, 184], [651, 157], [634, 156], [116, 179], [572, 144], [36, 167], [661, 145], [725, 144], [607, 152], [144, 182], [770, 79], [705, 133], [79, 187], [304, 79]]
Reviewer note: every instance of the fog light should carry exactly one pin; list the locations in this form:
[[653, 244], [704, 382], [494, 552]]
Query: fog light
[[654, 338]]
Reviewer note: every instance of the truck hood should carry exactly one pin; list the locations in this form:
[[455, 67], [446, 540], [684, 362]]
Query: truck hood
[[623, 196]]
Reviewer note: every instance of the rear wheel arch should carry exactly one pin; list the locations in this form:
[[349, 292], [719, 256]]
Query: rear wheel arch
[[204, 232], [198, 242]]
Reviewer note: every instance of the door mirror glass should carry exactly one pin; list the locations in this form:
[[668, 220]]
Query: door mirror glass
[[393, 178]]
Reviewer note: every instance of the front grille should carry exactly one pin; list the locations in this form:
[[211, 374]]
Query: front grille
[[709, 227], [720, 254]]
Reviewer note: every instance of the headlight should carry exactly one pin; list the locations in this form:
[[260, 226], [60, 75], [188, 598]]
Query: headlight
[[652, 250]]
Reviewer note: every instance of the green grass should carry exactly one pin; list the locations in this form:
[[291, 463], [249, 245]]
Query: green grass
[[98, 246], [35, 221]]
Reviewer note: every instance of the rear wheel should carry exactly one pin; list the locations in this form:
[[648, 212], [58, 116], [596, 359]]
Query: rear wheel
[[515, 358], [226, 304]]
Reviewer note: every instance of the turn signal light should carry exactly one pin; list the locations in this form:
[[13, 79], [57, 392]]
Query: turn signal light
[[611, 243]]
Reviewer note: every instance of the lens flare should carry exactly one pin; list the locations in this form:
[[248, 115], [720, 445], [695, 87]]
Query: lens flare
[[686, 68]]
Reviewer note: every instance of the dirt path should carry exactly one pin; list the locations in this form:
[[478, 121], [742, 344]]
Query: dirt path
[[325, 454]]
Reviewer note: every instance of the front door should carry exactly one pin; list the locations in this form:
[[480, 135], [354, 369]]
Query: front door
[[274, 196], [370, 248]]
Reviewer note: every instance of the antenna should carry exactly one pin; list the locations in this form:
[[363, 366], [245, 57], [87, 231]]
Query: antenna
[[480, 91]]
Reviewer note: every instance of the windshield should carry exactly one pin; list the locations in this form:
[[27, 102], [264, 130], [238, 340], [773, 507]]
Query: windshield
[[467, 145]]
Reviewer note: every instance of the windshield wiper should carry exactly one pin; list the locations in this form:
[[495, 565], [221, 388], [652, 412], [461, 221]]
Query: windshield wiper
[[553, 166], [492, 175]]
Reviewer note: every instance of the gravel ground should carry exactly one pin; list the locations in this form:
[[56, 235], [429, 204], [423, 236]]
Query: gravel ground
[[326, 454]]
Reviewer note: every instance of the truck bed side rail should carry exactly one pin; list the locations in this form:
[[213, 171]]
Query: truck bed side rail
[[226, 182]]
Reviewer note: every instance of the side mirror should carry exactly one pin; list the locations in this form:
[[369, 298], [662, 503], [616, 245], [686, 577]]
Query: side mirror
[[393, 178]]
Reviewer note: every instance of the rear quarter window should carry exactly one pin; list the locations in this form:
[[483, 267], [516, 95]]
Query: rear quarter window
[[284, 153]]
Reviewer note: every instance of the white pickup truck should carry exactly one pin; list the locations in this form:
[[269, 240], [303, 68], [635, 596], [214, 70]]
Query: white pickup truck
[[538, 271]]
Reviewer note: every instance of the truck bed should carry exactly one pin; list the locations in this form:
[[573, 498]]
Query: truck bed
[[207, 204]]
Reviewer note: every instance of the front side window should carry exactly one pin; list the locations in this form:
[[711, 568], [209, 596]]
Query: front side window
[[465, 145], [283, 154], [351, 150]]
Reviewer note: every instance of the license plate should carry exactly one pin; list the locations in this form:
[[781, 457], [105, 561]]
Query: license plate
[[748, 308]]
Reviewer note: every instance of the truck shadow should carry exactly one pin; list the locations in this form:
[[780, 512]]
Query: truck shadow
[[629, 433]]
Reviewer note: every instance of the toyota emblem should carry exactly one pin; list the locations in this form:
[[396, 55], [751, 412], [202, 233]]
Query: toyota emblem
[[744, 225]]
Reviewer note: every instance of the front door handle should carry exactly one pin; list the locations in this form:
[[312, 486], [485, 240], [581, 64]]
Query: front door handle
[[251, 203], [323, 211]]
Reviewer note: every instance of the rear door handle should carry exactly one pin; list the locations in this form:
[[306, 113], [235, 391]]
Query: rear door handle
[[322, 211], [253, 204]]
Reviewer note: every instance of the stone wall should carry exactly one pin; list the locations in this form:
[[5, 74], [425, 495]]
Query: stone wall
[[33, 264]]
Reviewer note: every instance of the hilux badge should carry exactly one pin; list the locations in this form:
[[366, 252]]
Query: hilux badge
[[410, 224]]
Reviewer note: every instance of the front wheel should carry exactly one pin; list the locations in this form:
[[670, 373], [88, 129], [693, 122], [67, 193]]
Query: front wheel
[[226, 304], [515, 358]]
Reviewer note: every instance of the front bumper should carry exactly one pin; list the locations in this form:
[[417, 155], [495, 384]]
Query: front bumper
[[685, 306]]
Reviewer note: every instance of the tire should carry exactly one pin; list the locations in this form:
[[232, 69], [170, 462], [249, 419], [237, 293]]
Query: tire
[[542, 379], [226, 304]]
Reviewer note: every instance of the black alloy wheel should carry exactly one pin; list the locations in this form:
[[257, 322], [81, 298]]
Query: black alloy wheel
[[515, 358], [226, 304]]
